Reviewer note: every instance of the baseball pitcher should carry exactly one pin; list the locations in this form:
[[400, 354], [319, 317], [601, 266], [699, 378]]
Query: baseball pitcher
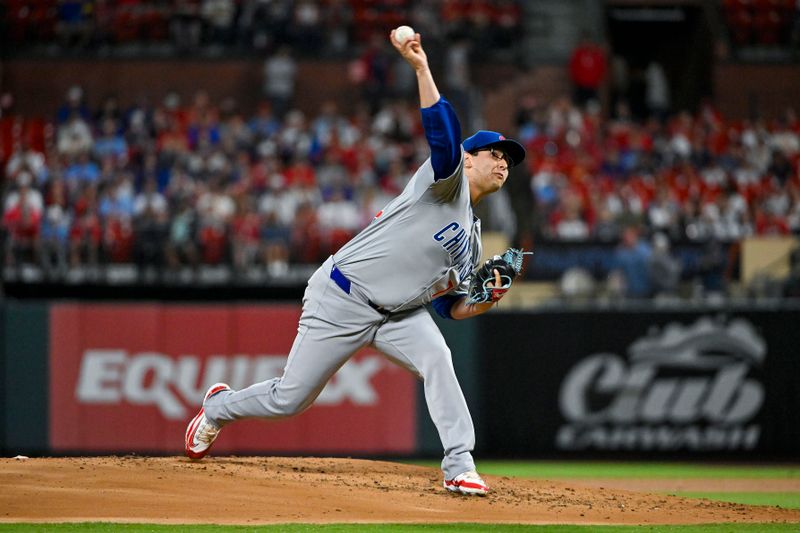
[[422, 248]]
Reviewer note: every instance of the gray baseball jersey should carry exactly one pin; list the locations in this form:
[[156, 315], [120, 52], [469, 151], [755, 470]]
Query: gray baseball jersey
[[425, 243]]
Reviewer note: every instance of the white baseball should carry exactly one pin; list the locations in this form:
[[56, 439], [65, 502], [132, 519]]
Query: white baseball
[[403, 33]]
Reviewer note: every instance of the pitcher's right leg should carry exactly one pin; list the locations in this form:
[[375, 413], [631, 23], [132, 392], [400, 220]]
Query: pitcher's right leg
[[416, 343]]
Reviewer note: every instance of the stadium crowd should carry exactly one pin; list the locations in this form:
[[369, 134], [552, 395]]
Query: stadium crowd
[[311, 27], [201, 182], [694, 177]]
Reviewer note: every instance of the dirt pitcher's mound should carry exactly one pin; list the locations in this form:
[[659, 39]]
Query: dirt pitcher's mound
[[253, 490]]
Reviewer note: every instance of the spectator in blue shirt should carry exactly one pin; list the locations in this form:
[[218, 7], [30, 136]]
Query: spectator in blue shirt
[[82, 170], [632, 260], [111, 143]]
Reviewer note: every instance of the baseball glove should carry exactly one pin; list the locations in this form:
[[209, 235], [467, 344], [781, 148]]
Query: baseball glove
[[508, 265]]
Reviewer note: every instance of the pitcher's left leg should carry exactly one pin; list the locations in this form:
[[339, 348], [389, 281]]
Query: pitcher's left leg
[[415, 342], [333, 325]]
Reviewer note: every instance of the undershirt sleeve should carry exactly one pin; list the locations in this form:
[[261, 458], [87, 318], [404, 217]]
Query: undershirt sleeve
[[443, 132], [443, 304]]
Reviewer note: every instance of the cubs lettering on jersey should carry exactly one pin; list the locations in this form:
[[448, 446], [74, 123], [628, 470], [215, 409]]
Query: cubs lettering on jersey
[[458, 246]]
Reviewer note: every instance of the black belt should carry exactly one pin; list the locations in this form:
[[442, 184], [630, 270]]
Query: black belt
[[344, 284]]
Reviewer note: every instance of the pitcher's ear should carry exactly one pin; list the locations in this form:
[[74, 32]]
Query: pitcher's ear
[[468, 160]]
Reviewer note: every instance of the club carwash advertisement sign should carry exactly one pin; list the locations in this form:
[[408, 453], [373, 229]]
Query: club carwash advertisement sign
[[680, 387], [129, 378]]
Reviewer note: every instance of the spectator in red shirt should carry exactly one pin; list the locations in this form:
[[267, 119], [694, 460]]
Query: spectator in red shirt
[[587, 69], [769, 223], [22, 220], [245, 238], [86, 233]]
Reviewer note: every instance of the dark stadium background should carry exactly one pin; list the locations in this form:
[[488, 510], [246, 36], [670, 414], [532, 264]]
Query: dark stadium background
[[212, 187]]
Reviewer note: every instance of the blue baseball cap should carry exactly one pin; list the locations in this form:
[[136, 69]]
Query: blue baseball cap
[[490, 139]]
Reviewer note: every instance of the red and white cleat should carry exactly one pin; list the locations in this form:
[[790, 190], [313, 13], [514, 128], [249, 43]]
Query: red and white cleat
[[467, 483], [201, 433]]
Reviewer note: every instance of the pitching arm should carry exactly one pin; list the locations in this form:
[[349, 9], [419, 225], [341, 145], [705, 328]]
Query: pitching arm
[[442, 128]]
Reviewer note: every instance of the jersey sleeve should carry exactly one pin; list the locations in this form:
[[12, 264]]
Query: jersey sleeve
[[444, 304], [443, 132]]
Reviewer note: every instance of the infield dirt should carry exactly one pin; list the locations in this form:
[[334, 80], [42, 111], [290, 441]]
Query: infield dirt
[[262, 490]]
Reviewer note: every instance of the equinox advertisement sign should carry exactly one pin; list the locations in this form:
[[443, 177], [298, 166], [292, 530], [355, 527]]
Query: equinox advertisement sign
[[128, 378], [654, 384]]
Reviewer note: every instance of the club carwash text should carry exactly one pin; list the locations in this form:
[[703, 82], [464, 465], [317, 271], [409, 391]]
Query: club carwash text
[[175, 385], [682, 388]]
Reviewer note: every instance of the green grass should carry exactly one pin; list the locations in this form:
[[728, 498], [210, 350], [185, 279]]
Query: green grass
[[100, 527], [786, 500], [635, 470]]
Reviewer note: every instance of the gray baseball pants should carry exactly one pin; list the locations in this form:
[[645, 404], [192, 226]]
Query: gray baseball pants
[[333, 326]]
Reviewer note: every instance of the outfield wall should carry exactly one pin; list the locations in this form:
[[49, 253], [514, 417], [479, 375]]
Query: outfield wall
[[703, 383], [125, 378]]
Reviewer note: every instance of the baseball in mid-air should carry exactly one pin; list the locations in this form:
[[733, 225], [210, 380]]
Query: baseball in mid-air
[[403, 33]]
